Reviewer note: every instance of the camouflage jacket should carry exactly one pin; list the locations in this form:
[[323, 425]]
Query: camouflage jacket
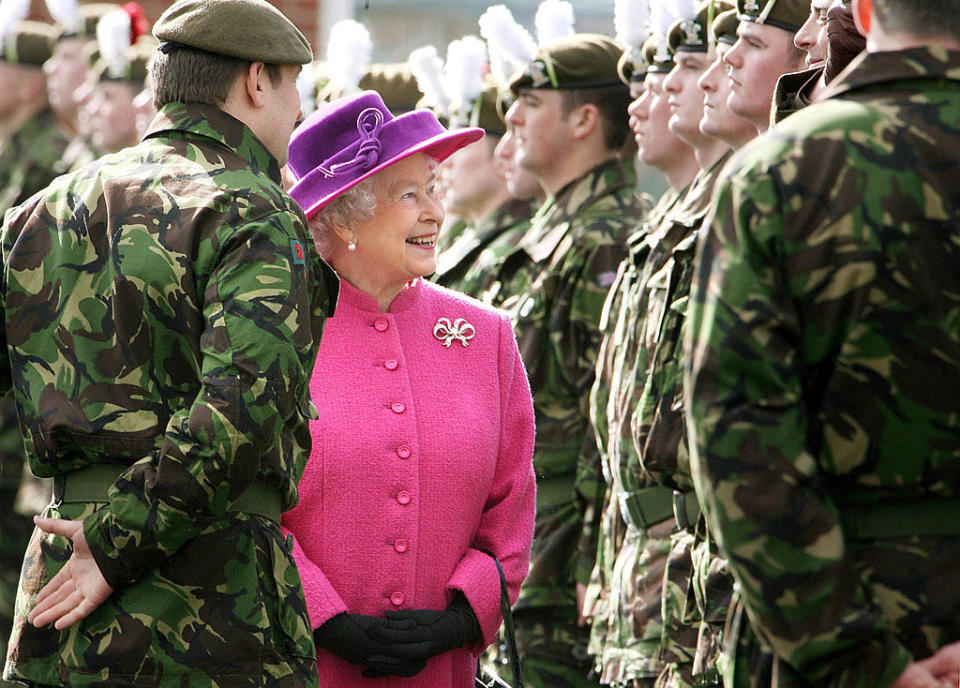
[[30, 159], [162, 310], [557, 280], [470, 263], [824, 371], [657, 422]]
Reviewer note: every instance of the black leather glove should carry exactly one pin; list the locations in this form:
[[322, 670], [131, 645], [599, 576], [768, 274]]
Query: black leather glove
[[349, 636], [844, 41], [434, 632]]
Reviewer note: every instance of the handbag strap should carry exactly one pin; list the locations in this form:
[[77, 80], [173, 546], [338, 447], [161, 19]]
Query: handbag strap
[[507, 613]]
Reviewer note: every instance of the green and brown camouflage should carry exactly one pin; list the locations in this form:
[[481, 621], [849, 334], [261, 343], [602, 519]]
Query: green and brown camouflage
[[627, 577], [471, 263], [659, 437], [30, 159], [163, 308], [555, 283], [823, 373]]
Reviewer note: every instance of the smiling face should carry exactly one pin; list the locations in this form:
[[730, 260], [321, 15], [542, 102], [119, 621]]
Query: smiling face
[[398, 243]]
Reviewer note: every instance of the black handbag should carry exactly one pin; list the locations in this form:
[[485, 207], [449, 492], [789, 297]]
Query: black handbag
[[487, 678]]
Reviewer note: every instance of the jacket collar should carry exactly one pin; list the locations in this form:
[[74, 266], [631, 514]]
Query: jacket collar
[[871, 69]]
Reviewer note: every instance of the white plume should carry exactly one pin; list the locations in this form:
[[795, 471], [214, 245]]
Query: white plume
[[307, 88], [113, 39], [65, 13], [661, 17], [630, 21], [427, 69], [11, 12], [349, 53], [510, 45], [554, 19], [685, 9], [463, 72]]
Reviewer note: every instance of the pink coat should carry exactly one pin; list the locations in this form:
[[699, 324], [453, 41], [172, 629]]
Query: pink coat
[[422, 457]]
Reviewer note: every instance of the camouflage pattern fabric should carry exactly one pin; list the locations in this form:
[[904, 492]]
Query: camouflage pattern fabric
[[794, 92], [470, 263], [657, 425], [824, 373], [162, 312], [552, 648], [626, 583], [557, 280], [450, 234], [30, 159], [77, 155]]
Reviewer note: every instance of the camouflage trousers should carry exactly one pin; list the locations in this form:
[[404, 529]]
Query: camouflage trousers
[[226, 610], [680, 619], [553, 649], [630, 653]]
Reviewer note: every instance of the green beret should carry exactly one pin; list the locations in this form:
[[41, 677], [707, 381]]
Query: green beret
[[252, 30], [580, 61], [788, 15], [29, 43], [693, 35], [724, 27], [90, 14], [395, 84], [627, 67]]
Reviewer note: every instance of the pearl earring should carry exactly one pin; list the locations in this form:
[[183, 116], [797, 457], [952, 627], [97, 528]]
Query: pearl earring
[[351, 245]]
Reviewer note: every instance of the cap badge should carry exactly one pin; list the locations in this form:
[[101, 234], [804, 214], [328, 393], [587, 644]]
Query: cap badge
[[460, 329], [691, 29], [751, 6]]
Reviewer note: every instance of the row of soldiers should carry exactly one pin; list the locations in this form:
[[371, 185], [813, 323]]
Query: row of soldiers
[[580, 214]]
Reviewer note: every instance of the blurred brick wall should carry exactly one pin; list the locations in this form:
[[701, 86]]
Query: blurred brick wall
[[303, 13]]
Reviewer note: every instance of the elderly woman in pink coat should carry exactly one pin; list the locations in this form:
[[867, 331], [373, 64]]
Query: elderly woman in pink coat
[[421, 466]]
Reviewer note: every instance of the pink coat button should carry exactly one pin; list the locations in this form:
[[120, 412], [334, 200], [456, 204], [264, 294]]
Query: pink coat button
[[396, 599], [403, 451], [403, 497], [398, 407], [381, 325], [401, 545], [391, 364]]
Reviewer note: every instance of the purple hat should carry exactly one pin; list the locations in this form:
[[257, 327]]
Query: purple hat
[[352, 138]]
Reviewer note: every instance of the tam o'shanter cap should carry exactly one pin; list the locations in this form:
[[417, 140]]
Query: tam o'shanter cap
[[580, 61], [353, 138], [788, 15], [29, 43], [252, 30]]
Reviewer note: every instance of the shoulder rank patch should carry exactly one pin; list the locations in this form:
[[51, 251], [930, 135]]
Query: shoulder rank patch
[[298, 252]]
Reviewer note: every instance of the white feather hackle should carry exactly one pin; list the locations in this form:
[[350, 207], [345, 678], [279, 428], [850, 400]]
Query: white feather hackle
[[685, 9], [631, 22], [349, 53], [511, 46], [113, 39], [11, 13], [427, 69], [463, 73], [307, 88], [554, 19], [65, 13], [661, 17]]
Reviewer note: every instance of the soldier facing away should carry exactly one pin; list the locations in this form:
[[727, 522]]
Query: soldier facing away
[[162, 309], [824, 366]]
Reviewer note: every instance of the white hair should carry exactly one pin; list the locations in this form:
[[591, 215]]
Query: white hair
[[354, 205]]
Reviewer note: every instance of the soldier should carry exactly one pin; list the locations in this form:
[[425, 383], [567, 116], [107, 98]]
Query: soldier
[[763, 52], [163, 307], [66, 72], [117, 77], [638, 515], [569, 122], [822, 418], [477, 191]]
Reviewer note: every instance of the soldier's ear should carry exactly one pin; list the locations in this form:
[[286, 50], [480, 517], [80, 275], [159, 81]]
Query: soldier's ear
[[253, 81], [862, 15], [584, 120]]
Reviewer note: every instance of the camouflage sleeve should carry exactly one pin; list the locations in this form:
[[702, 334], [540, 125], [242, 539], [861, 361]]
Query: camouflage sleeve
[[580, 343], [748, 423], [248, 414]]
